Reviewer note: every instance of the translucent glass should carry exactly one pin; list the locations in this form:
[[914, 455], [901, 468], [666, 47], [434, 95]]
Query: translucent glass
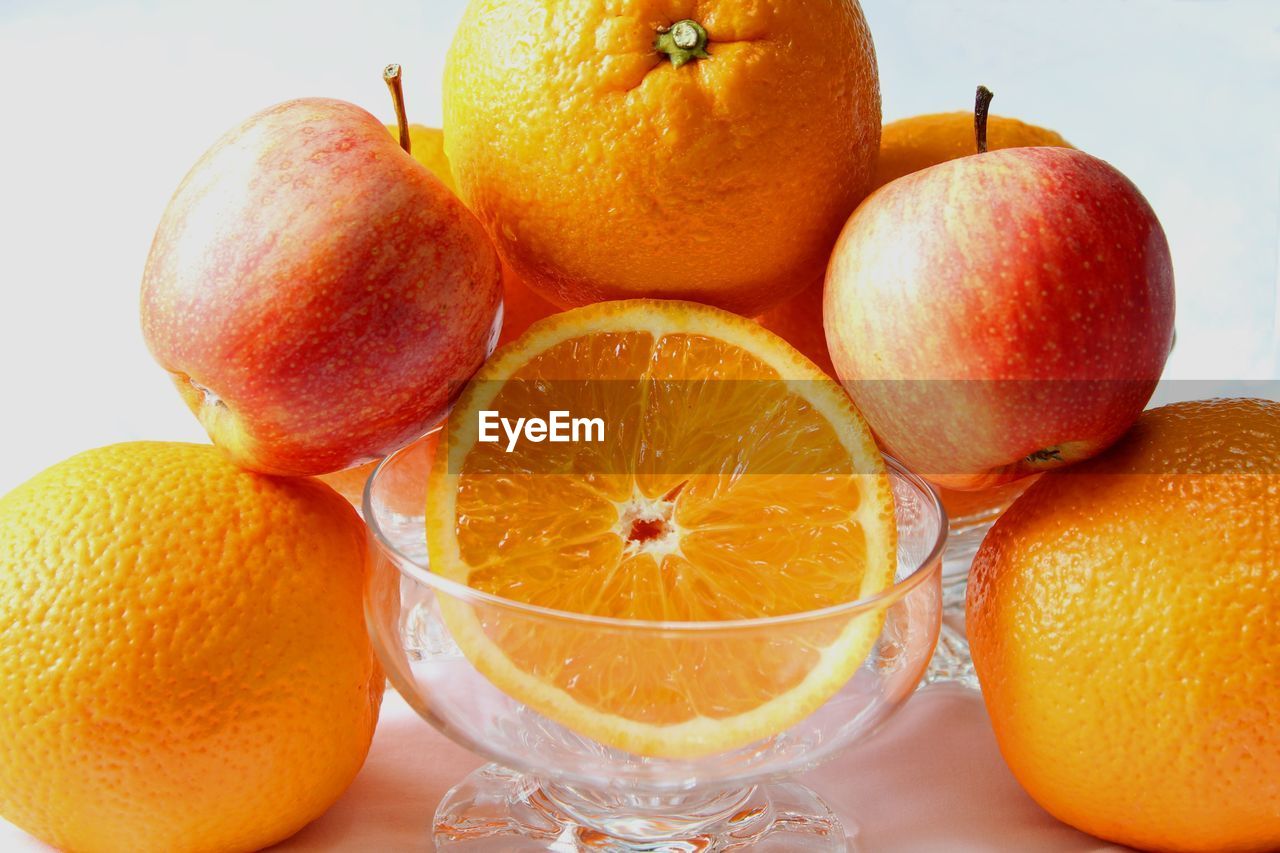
[[547, 780]]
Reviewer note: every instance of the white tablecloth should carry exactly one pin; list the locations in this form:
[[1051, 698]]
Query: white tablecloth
[[932, 781]]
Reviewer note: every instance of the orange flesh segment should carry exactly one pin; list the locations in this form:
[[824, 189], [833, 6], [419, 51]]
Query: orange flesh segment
[[757, 494], [749, 545]]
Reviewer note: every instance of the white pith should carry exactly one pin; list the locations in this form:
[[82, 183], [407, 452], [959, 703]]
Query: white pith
[[640, 508]]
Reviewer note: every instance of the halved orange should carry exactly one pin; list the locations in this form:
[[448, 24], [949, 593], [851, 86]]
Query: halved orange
[[735, 482]]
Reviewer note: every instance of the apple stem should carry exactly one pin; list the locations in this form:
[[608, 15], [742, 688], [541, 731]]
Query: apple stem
[[392, 75], [981, 114], [683, 42]]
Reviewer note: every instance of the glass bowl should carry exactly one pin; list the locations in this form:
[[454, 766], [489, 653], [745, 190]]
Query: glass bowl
[[550, 788], [971, 515]]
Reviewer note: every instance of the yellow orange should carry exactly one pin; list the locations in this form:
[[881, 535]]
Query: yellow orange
[[916, 143], [406, 479], [426, 144], [1125, 624], [906, 146], [183, 652], [798, 321], [735, 482], [607, 167]]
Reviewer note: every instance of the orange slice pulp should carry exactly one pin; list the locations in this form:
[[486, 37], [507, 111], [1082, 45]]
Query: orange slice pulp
[[734, 482]]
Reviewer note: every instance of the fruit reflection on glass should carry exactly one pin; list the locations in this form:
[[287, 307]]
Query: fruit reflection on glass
[[184, 655], [617, 153], [316, 294], [731, 586], [1125, 623]]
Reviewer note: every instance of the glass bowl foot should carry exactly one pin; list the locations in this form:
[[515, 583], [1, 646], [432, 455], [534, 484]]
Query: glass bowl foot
[[964, 537], [952, 662], [498, 810]]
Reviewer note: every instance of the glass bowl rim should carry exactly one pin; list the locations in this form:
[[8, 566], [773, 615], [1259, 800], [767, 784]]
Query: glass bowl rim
[[417, 572]]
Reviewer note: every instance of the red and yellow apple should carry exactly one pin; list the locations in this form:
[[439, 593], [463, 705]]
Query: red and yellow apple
[[521, 307], [1001, 314], [317, 295], [906, 146]]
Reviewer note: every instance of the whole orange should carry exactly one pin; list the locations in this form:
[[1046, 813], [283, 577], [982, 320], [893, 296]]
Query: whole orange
[[1124, 617], [906, 146], [916, 143], [183, 652], [798, 321], [426, 145], [706, 150], [521, 307]]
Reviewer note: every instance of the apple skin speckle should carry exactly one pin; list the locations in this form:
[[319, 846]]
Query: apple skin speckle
[[1060, 263], [322, 286]]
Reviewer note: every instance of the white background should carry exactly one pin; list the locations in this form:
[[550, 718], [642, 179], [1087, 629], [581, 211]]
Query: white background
[[106, 104]]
